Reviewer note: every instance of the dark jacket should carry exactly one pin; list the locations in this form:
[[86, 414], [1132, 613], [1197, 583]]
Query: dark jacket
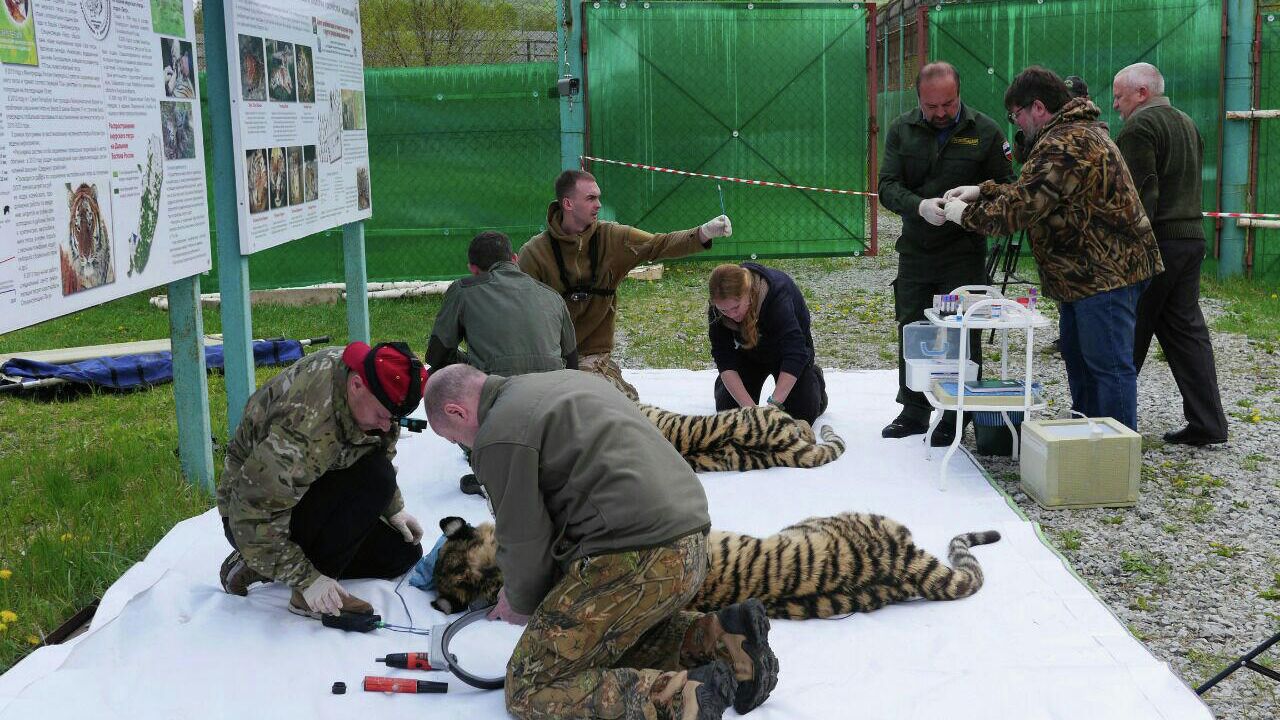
[[914, 168], [620, 248], [573, 469], [1164, 151], [1076, 201], [784, 342], [512, 324]]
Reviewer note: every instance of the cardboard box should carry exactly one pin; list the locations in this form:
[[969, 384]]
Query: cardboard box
[[1080, 463]]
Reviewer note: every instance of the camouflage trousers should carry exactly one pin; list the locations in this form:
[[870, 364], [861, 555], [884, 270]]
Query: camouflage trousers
[[609, 640], [602, 364]]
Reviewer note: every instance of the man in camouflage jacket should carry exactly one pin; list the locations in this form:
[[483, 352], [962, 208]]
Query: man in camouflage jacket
[[309, 494], [1088, 231]]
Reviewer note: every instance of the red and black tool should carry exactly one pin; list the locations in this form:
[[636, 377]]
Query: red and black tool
[[372, 683], [408, 661]]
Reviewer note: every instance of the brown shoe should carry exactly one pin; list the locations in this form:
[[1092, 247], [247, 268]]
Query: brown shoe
[[350, 604], [237, 576], [738, 635]]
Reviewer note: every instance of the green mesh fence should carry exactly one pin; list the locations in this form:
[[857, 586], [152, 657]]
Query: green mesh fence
[[453, 150], [990, 42], [769, 92], [1266, 242]]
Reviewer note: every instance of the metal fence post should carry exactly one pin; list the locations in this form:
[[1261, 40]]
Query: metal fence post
[[573, 109], [357, 282], [1235, 134], [233, 268], [190, 384]]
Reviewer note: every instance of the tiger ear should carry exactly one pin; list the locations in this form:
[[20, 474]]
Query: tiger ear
[[455, 527]]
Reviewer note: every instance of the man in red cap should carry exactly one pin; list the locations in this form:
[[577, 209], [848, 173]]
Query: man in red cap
[[309, 494]]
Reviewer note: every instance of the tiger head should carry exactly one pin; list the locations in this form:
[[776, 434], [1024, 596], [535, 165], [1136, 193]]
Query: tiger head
[[466, 570]]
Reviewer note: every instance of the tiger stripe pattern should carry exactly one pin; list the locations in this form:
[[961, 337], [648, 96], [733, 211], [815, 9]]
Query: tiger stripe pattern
[[751, 438], [818, 568], [827, 566]]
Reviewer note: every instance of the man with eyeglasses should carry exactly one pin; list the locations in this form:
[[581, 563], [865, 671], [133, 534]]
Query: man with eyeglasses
[[585, 260], [927, 151], [1089, 234]]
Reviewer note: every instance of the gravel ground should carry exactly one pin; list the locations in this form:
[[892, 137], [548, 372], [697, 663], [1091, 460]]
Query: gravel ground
[[1194, 569]]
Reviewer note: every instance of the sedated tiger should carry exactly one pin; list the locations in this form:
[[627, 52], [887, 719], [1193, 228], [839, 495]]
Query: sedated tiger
[[750, 438], [817, 568]]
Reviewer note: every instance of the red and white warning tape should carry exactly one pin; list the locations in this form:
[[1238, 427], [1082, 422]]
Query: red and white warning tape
[[726, 178], [1251, 216]]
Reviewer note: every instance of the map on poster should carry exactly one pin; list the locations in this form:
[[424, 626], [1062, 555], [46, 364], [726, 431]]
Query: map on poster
[[102, 181], [298, 118]]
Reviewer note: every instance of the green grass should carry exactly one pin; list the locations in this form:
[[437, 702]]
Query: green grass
[[1252, 309]]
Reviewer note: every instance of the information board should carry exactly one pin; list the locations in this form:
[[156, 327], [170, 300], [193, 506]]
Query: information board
[[102, 181], [298, 118]]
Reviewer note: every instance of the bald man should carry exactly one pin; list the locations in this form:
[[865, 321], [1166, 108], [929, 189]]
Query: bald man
[[1164, 151]]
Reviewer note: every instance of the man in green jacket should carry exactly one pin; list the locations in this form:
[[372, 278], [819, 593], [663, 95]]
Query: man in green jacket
[[928, 151], [512, 324], [309, 496], [1164, 152], [1088, 232], [601, 532], [585, 260]]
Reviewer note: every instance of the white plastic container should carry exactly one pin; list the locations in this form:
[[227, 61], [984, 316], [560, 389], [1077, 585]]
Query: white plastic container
[[933, 353]]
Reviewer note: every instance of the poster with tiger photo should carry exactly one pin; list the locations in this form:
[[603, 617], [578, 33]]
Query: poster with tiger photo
[[104, 134], [299, 126]]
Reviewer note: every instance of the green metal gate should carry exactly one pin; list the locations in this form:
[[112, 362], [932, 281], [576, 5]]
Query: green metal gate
[[774, 92]]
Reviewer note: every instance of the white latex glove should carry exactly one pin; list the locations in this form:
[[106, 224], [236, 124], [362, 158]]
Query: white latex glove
[[955, 208], [967, 193], [408, 526], [324, 595], [717, 227], [503, 611], [933, 211]]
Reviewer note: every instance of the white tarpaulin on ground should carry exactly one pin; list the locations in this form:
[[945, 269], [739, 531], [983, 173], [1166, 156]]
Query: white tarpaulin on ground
[[1033, 643]]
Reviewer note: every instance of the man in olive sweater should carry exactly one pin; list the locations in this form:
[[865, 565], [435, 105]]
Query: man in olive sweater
[[1164, 151], [602, 541], [927, 151], [585, 260]]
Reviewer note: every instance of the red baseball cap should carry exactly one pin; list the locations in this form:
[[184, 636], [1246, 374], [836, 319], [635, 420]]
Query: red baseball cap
[[391, 371]]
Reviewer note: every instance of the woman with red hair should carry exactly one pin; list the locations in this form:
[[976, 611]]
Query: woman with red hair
[[759, 327]]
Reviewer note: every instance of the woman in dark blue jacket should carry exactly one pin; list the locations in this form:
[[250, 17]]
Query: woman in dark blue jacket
[[759, 327]]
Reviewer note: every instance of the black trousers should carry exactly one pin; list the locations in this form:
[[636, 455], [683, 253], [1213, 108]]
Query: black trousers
[[806, 401], [920, 277], [1170, 310], [338, 525]]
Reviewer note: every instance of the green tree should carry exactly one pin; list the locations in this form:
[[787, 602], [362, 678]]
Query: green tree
[[419, 33]]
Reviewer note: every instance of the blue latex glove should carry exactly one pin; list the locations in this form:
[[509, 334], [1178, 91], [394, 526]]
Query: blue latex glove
[[422, 574]]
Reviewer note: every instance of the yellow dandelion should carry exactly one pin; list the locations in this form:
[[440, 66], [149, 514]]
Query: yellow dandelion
[[66, 536], [8, 616], [4, 628], [33, 640], [1274, 296], [5, 574]]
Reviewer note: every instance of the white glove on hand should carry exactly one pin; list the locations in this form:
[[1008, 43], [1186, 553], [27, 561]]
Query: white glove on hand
[[967, 193], [933, 211], [955, 208], [324, 595], [503, 611], [408, 526], [717, 227]]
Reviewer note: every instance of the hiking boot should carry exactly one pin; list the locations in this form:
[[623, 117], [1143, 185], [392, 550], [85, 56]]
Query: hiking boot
[[903, 426], [739, 635], [702, 693], [237, 576], [350, 604]]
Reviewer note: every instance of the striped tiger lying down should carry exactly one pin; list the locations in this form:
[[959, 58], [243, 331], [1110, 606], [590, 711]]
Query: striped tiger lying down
[[749, 438], [817, 568]]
